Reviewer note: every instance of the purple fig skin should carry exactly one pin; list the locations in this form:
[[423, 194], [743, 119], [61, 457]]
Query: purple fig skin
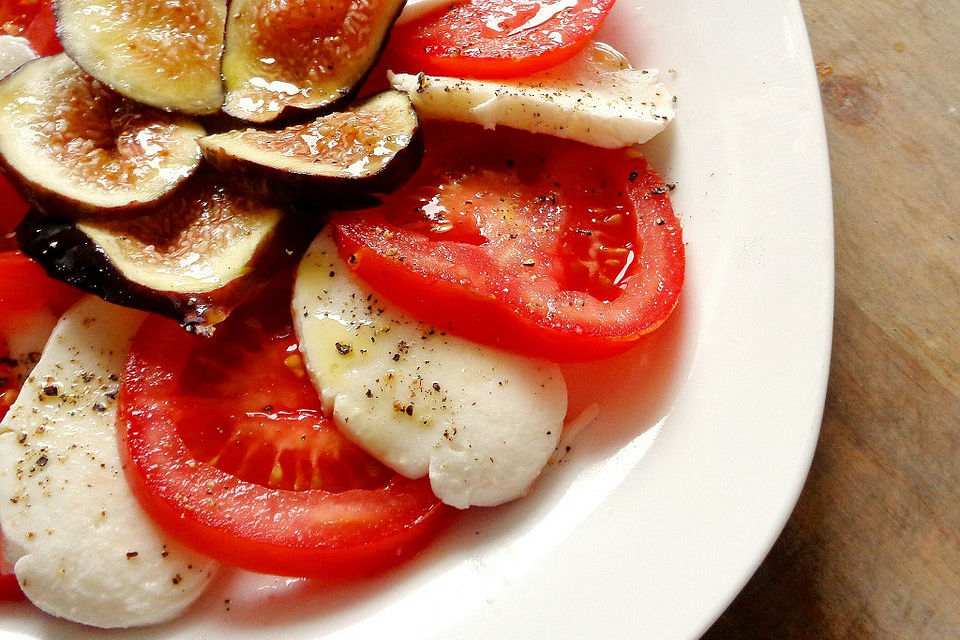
[[309, 192], [56, 204], [308, 189]]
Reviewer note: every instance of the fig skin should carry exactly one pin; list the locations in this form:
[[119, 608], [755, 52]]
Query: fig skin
[[304, 183], [52, 203], [57, 123], [69, 254], [282, 98]]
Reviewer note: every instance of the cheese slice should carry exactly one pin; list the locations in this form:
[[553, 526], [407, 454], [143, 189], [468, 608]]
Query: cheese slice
[[481, 422], [80, 544], [14, 51], [595, 98]]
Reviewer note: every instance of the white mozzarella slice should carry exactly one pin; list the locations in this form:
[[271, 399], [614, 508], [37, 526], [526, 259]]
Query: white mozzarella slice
[[81, 546], [416, 9], [24, 336], [595, 98], [14, 51], [480, 421]]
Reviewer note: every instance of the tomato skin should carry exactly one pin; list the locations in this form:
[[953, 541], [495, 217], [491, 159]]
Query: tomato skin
[[307, 533], [513, 288], [497, 38]]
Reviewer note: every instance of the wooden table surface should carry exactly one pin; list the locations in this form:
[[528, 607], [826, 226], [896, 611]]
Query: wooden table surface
[[873, 547]]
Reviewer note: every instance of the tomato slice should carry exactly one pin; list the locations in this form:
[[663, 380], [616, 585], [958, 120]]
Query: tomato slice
[[24, 286], [497, 38], [32, 19], [42, 30], [227, 449], [15, 15], [9, 587], [12, 210], [542, 246]]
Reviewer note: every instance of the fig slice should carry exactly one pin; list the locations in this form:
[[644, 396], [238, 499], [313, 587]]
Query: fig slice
[[286, 56], [193, 258], [371, 148], [75, 147], [164, 54]]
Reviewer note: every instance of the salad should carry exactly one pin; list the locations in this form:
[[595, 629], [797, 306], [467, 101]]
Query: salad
[[356, 307]]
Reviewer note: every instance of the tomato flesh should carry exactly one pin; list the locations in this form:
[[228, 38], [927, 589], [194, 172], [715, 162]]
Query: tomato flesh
[[262, 419], [24, 286], [12, 210], [228, 450], [42, 31], [33, 20], [15, 15], [541, 246], [497, 38]]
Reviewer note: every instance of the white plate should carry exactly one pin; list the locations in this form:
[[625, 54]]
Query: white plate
[[665, 506]]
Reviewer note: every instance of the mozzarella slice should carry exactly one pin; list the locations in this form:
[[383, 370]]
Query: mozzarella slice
[[14, 51], [81, 546], [481, 422], [24, 335], [595, 98]]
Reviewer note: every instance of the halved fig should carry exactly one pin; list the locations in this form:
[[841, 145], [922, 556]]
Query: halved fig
[[75, 147], [194, 258], [285, 56], [164, 54], [371, 148]]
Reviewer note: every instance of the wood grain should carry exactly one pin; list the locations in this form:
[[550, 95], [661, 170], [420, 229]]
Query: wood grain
[[873, 547]]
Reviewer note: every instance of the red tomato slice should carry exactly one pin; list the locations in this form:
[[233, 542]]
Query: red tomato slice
[[497, 38], [227, 449], [42, 31], [15, 15], [32, 19], [12, 210], [25, 287], [9, 587], [541, 246]]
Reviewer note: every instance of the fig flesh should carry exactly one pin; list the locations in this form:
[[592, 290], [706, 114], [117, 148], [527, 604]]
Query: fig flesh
[[193, 258], [75, 147], [285, 56], [164, 54], [371, 148]]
